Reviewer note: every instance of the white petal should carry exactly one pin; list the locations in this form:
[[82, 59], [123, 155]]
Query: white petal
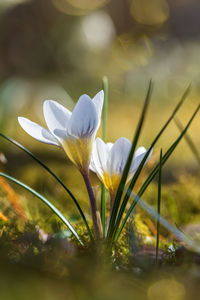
[[118, 156], [38, 132], [98, 102], [92, 166], [56, 117], [84, 120], [109, 146], [138, 157], [99, 157]]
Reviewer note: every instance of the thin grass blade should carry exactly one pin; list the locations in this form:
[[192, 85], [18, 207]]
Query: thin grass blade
[[153, 174], [188, 140], [104, 133], [158, 207], [45, 201], [103, 209], [53, 174], [105, 107], [128, 163], [175, 231], [137, 173]]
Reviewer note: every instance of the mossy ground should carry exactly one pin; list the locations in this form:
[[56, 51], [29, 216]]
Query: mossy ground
[[39, 257]]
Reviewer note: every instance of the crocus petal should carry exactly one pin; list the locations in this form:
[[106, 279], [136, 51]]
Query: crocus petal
[[138, 157], [84, 119], [99, 157], [95, 163], [56, 117], [98, 102], [79, 151], [38, 132], [92, 166], [109, 146], [118, 156]]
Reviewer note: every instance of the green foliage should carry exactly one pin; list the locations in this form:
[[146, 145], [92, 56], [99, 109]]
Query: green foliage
[[158, 205], [51, 173], [45, 201], [112, 226], [176, 198], [104, 133], [118, 229]]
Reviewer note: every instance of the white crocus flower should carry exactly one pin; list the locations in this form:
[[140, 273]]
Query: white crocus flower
[[73, 131], [108, 162]]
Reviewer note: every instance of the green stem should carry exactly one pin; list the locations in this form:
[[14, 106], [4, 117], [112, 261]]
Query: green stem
[[104, 133], [105, 106], [103, 208], [112, 201]]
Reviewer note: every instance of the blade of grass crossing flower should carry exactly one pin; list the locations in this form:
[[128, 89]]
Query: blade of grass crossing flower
[[175, 231], [104, 132], [128, 163], [45, 201], [188, 140], [153, 174], [137, 173], [158, 207], [53, 174]]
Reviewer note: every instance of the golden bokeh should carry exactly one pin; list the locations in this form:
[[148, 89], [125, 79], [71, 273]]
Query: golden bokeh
[[129, 52], [166, 289], [87, 4], [149, 12], [66, 8], [78, 7], [7, 3]]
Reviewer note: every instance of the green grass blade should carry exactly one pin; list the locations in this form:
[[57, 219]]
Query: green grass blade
[[105, 107], [103, 209], [104, 133], [188, 140], [153, 174], [45, 201], [128, 163], [137, 173], [53, 174], [168, 153], [158, 207], [175, 231]]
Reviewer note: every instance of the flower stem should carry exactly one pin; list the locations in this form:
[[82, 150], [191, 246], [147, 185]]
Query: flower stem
[[112, 201], [95, 213]]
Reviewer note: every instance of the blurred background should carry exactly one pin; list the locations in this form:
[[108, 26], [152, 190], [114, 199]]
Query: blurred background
[[60, 49]]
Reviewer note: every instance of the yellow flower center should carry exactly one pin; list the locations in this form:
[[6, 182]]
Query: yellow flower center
[[78, 151], [111, 182]]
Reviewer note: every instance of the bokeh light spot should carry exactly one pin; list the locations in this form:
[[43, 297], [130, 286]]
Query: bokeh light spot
[[129, 52], [66, 8], [166, 289], [8, 3], [87, 4], [98, 30], [149, 12], [78, 7]]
